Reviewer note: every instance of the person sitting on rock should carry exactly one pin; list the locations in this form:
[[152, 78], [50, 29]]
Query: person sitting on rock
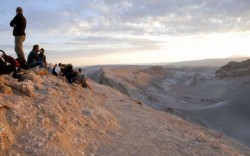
[[73, 76], [57, 69], [53, 70], [62, 69], [34, 59], [81, 78], [42, 56], [9, 65], [69, 73]]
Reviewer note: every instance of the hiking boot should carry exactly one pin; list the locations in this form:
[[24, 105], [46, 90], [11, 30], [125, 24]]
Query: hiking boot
[[20, 77], [85, 85]]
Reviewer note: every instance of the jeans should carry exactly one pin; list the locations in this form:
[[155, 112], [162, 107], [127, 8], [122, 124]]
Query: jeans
[[37, 63], [19, 46]]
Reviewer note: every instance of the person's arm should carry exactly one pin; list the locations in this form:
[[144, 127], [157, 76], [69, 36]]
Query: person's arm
[[39, 56], [32, 57], [13, 22], [45, 61]]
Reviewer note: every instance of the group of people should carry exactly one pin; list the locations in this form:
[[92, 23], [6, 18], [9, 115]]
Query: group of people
[[37, 57], [71, 75]]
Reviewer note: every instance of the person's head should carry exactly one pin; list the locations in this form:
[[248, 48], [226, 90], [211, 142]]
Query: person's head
[[63, 66], [79, 70], [42, 50], [19, 10], [35, 48], [60, 64]]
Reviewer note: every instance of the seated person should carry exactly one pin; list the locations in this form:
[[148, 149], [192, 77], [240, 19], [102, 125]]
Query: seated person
[[42, 56], [76, 76], [57, 69], [69, 73], [9, 65], [34, 59], [53, 70], [81, 78], [62, 69]]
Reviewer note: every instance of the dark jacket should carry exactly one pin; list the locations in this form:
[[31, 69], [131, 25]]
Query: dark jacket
[[20, 22], [43, 57], [33, 57]]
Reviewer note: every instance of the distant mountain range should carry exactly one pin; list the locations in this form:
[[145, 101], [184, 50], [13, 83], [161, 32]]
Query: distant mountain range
[[209, 62]]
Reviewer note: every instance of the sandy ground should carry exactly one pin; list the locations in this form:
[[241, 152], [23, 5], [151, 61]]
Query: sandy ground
[[44, 115]]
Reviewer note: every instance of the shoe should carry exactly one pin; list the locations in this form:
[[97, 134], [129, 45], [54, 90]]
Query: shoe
[[20, 77]]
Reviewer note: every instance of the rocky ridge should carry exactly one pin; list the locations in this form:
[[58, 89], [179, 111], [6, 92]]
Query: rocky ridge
[[195, 94], [234, 69], [44, 115]]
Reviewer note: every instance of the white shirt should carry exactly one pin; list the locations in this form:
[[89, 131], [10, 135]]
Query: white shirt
[[58, 70]]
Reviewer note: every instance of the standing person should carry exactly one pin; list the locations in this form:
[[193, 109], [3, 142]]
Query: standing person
[[19, 25]]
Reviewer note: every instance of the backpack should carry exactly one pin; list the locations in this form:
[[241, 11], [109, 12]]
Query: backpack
[[8, 65]]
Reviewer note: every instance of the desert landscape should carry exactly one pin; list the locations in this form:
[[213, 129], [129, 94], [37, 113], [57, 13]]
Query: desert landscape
[[216, 98], [143, 111], [125, 78]]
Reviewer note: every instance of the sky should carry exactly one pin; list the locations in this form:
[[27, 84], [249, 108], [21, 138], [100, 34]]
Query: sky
[[94, 32]]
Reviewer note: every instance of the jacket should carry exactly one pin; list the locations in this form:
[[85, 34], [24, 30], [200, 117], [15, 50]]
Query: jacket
[[20, 22], [33, 57]]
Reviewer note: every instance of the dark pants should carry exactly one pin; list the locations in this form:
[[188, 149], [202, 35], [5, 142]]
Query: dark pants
[[37, 63]]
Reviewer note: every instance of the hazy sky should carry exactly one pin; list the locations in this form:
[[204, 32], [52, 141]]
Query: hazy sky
[[88, 32]]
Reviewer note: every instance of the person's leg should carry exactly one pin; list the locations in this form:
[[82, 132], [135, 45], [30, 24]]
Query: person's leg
[[83, 81], [37, 63], [83, 78], [19, 46], [19, 51], [43, 65]]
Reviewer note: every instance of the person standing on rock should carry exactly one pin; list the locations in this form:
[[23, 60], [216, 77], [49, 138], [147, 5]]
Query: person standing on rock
[[19, 25]]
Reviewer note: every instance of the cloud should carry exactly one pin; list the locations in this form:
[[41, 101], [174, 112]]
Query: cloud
[[171, 17], [100, 46], [152, 17], [98, 27]]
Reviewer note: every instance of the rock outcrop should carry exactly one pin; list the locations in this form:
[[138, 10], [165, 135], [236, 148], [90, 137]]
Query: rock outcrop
[[234, 69], [46, 116]]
